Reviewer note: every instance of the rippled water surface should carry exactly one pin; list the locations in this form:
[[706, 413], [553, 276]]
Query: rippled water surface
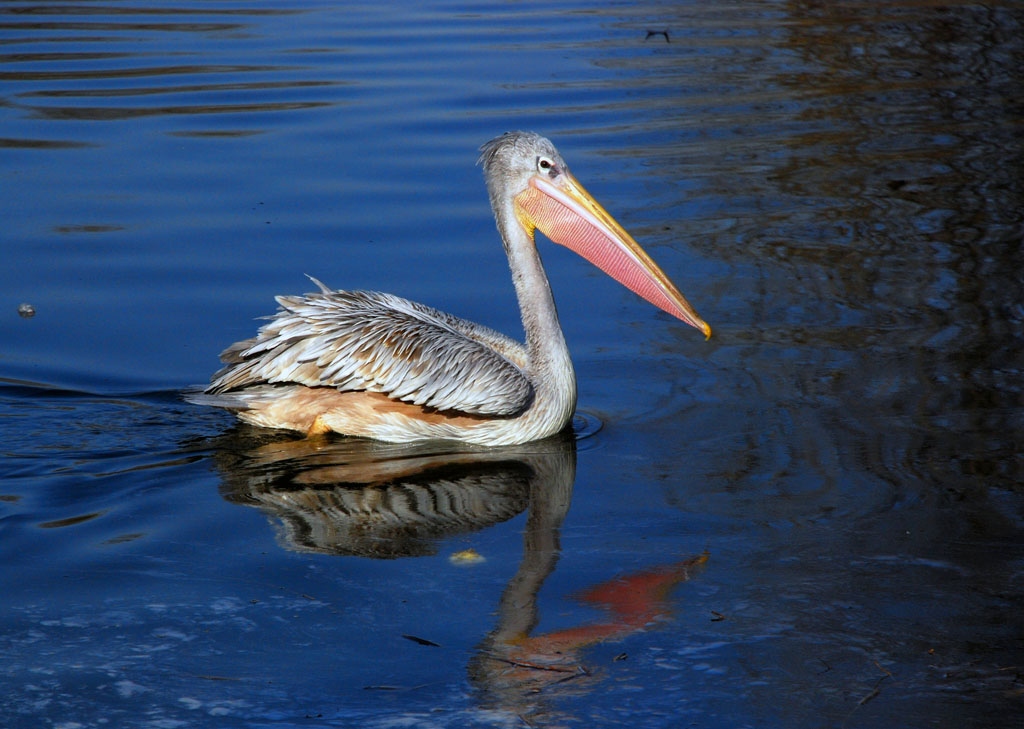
[[814, 519]]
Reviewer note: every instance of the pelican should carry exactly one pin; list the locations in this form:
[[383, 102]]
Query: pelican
[[370, 364]]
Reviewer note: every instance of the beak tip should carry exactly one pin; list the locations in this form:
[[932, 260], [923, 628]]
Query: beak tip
[[697, 323]]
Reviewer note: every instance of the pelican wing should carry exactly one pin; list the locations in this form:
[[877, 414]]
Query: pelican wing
[[365, 340]]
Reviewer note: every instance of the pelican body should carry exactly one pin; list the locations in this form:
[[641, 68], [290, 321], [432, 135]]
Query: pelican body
[[374, 365]]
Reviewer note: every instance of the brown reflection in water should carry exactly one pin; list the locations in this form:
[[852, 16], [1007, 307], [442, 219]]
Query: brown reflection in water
[[921, 178], [70, 521], [87, 228], [214, 133], [112, 114], [867, 209], [120, 26], [185, 89], [355, 497], [146, 71], [8, 143]]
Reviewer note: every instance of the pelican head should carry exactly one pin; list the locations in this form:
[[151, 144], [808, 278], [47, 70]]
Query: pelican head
[[528, 180]]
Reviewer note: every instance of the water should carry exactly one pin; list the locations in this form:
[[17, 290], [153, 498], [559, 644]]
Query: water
[[812, 520]]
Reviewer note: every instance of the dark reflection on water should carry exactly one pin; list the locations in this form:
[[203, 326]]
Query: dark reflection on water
[[879, 225], [379, 500], [352, 497]]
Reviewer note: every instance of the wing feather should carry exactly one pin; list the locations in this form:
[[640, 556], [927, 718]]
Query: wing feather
[[366, 340]]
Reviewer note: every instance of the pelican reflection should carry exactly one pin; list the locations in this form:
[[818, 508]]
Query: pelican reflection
[[359, 497], [372, 499]]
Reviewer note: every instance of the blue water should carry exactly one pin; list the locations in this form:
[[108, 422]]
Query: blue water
[[814, 519]]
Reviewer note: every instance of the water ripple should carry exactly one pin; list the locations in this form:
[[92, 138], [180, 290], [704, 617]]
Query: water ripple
[[141, 60]]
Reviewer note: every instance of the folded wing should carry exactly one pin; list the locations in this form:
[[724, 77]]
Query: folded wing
[[365, 340]]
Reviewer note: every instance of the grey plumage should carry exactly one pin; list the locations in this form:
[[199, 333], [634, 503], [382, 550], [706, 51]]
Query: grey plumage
[[378, 342]]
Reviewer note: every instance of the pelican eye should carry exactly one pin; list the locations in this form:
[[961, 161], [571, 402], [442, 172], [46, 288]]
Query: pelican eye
[[546, 166]]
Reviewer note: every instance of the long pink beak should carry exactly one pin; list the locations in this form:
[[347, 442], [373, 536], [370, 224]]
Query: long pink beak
[[567, 214]]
